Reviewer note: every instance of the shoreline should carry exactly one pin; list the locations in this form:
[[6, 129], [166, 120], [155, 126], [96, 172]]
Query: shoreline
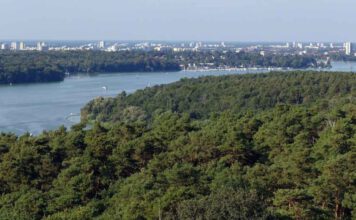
[[238, 69], [228, 69]]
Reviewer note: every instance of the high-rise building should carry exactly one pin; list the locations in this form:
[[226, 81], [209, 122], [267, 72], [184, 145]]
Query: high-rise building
[[13, 46], [22, 46], [39, 46], [198, 45], [102, 44], [4, 46], [348, 48]]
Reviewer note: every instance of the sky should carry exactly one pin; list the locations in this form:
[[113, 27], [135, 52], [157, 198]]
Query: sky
[[176, 20]]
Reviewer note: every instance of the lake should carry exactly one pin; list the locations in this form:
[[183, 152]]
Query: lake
[[36, 107]]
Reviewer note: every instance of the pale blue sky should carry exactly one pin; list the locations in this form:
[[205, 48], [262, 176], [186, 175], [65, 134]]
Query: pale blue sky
[[228, 20]]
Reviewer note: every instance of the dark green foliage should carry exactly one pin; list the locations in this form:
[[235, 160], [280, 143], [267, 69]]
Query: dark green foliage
[[27, 67], [279, 158], [237, 93], [33, 66], [224, 204], [221, 59]]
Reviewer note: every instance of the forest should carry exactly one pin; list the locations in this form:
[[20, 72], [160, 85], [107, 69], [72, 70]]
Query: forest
[[233, 59], [254, 146], [343, 57], [52, 66], [34, 66]]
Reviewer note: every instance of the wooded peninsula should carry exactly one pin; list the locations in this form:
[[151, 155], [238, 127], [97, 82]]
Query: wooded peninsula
[[256, 146], [53, 66]]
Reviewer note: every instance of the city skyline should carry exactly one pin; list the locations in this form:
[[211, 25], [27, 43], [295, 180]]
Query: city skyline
[[185, 20], [286, 48]]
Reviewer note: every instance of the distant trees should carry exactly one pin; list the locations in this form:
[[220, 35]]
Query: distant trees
[[343, 57], [244, 59], [25, 67], [33, 66]]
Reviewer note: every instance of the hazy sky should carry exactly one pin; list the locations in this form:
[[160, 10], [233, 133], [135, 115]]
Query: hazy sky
[[228, 20]]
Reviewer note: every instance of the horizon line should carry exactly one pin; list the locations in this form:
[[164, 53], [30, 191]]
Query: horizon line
[[134, 40]]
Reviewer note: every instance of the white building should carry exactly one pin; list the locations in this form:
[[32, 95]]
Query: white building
[[113, 48], [22, 46], [102, 44], [348, 48], [4, 46], [13, 46], [41, 46]]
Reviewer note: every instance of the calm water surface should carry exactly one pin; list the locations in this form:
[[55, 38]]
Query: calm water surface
[[37, 107]]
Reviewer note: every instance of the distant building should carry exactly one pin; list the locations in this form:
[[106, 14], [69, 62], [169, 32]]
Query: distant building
[[41, 46], [113, 48], [163, 49], [198, 45], [4, 46], [13, 46], [22, 46], [102, 44], [348, 48]]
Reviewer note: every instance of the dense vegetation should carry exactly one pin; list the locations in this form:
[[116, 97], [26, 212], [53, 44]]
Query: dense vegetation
[[27, 66], [203, 96], [269, 146], [219, 59], [343, 57], [24, 67]]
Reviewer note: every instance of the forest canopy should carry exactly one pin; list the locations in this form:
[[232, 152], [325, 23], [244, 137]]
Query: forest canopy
[[52, 66], [27, 66], [257, 146]]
